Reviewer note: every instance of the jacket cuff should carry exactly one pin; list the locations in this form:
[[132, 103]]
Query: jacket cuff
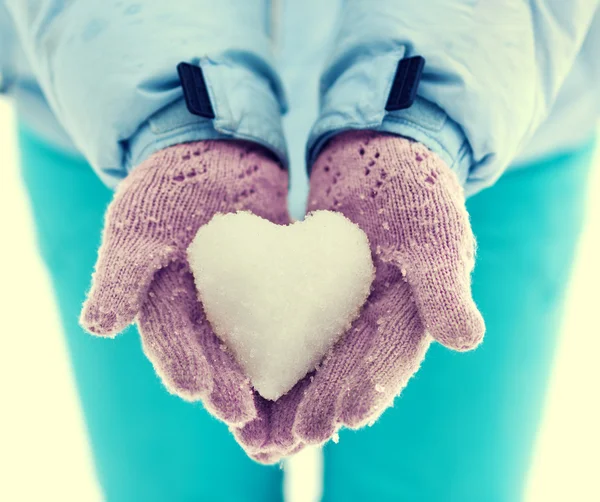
[[246, 107], [357, 100]]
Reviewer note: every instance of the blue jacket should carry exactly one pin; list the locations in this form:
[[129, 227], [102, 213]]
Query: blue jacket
[[504, 79]]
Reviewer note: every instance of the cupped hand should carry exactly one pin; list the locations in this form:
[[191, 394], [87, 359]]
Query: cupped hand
[[142, 271], [412, 208]]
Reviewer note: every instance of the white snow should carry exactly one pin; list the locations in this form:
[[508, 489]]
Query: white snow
[[280, 296]]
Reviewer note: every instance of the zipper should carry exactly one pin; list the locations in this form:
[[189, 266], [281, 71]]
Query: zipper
[[275, 24]]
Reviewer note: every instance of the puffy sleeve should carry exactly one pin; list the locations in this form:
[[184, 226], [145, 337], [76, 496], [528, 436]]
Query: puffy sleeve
[[109, 71], [493, 70], [6, 48]]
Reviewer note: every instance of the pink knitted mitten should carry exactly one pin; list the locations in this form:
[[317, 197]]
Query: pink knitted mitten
[[412, 208], [142, 269]]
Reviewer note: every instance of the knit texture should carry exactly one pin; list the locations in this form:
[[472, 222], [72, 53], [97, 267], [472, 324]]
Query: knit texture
[[412, 208], [142, 269]]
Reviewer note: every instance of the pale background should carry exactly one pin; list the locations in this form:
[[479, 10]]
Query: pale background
[[43, 451]]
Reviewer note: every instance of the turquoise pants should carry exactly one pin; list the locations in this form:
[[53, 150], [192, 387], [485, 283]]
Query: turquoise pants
[[462, 431]]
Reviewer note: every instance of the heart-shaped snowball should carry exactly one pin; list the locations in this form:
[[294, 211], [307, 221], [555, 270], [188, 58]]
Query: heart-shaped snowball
[[280, 296]]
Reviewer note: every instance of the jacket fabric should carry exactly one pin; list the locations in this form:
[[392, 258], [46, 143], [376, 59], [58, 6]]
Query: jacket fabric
[[503, 80]]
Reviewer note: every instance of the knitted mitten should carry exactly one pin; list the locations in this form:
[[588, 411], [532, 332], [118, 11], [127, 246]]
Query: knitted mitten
[[412, 208], [142, 268]]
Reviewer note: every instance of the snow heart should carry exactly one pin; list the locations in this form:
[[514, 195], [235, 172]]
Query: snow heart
[[280, 296]]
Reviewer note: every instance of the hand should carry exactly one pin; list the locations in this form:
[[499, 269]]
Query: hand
[[412, 209], [142, 268]]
